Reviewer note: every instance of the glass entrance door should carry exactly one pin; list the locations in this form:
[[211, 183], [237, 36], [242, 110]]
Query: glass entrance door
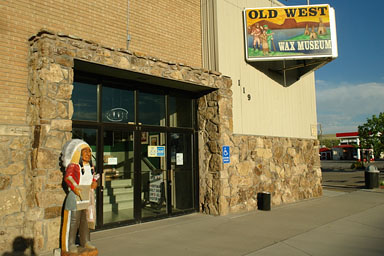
[[166, 186], [125, 121], [147, 178], [181, 171], [153, 173], [118, 176], [144, 174]]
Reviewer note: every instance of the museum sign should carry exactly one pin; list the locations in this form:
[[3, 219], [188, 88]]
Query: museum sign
[[290, 33]]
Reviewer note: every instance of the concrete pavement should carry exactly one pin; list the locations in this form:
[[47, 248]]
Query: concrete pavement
[[345, 180], [338, 175], [346, 164], [338, 223]]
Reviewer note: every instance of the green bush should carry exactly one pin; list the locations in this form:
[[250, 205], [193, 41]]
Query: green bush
[[357, 165]]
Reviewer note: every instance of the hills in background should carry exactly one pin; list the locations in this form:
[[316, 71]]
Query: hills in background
[[289, 24]]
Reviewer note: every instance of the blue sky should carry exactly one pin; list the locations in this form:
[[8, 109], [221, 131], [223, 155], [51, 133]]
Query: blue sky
[[350, 89]]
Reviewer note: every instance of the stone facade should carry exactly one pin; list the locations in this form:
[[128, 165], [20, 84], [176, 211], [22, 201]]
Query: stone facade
[[50, 109], [15, 185], [31, 194], [288, 168]]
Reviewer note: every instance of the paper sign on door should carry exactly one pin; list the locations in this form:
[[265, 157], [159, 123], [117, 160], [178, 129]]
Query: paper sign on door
[[179, 159]]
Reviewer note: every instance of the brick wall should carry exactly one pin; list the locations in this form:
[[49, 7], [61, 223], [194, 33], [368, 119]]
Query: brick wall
[[167, 29]]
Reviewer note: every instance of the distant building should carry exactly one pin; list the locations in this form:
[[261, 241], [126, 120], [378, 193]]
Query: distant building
[[344, 152], [325, 153], [348, 149]]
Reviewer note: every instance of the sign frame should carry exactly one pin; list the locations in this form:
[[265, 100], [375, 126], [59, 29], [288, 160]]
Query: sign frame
[[296, 55]]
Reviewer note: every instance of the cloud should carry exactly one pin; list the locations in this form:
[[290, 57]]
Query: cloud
[[342, 107]]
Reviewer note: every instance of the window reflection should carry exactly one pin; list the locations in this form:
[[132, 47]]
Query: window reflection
[[180, 112], [84, 98], [117, 105], [118, 176], [152, 109]]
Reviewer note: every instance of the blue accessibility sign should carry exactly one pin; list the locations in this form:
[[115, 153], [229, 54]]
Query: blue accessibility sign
[[226, 155], [161, 151], [156, 151]]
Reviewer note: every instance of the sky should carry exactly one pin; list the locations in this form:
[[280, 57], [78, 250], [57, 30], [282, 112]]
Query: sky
[[350, 89]]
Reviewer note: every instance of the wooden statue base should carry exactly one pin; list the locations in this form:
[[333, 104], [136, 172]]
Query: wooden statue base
[[82, 252]]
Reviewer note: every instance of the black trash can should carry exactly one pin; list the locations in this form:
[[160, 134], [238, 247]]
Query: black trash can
[[264, 201], [371, 177]]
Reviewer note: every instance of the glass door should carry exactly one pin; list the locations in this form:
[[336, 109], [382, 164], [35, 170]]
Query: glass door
[[181, 171], [153, 174], [118, 176], [144, 174], [141, 137]]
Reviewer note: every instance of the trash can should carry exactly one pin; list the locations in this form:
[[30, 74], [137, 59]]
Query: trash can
[[264, 201], [371, 177]]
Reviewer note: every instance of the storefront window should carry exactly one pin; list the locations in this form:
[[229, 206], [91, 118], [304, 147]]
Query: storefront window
[[84, 98], [152, 109], [146, 171], [180, 112], [89, 135], [117, 105]]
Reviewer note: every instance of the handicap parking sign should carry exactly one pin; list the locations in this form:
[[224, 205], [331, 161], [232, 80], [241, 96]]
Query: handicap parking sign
[[226, 155]]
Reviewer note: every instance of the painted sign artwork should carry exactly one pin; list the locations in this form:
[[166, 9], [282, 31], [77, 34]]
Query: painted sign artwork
[[295, 32]]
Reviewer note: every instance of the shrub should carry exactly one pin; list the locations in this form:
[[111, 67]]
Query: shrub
[[357, 165]]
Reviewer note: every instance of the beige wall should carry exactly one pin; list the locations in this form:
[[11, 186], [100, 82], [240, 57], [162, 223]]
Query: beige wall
[[168, 30], [274, 110]]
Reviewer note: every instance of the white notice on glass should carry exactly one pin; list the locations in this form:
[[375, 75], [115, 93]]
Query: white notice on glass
[[112, 161], [179, 159]]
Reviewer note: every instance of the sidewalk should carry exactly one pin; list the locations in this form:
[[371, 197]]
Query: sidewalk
[[338, 223]]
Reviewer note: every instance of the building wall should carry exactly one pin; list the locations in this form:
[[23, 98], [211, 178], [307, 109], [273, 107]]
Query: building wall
[[287, 168], [272, 136], [29, 191], [272, 110], [31, 200], [168, 30], [36, 119]]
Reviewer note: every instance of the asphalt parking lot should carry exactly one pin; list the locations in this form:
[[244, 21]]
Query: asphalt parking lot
[[338, 175]]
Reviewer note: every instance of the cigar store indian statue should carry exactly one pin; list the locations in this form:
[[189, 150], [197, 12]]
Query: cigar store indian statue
[[79, 209]]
